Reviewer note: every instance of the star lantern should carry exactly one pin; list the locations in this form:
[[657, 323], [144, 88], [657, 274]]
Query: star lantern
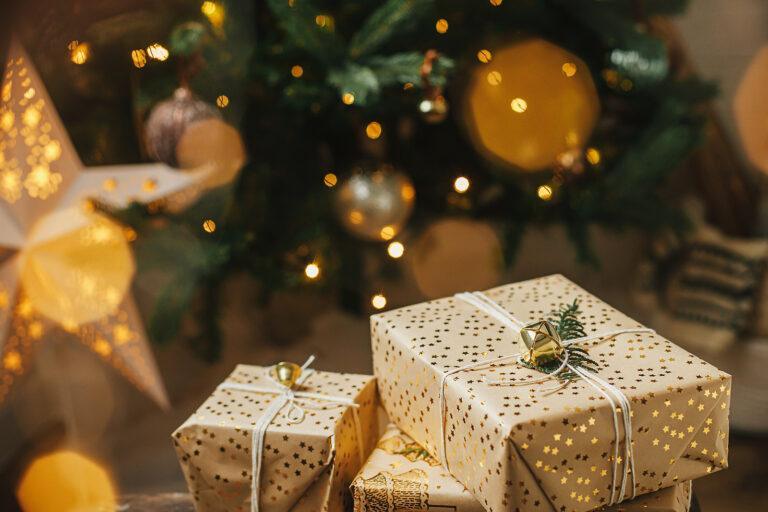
[[65, 270]]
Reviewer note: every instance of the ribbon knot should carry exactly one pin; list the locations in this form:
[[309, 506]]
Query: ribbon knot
[[295, 413], [619, 402]]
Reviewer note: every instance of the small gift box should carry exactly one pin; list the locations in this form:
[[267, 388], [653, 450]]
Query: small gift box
[[273, 439], [592, 410], [401, 475]]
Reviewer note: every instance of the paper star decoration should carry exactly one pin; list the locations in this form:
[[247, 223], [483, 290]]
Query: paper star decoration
[[65, 270]]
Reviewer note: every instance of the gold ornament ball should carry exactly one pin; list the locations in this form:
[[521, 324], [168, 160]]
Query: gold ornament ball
[[531, 103], [375, 202], [750, 108], [65, 481]]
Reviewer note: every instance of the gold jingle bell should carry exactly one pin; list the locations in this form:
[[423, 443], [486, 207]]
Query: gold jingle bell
[[542, 342], [286, 373]]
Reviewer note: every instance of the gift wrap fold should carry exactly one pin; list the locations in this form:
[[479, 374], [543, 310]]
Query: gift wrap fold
[[401, 475], [519, 439], [311, 440]]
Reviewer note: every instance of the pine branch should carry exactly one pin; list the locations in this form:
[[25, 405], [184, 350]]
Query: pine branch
[[297, 19], [395, 17]]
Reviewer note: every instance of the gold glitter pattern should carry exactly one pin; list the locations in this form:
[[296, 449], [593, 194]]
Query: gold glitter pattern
[[535, 446], [392, 480], [305, 466]]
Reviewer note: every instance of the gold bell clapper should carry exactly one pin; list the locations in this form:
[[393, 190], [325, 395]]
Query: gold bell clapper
[[286, 373], [542, 342]]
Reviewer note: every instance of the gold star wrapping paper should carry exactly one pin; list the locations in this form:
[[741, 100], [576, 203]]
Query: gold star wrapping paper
[[306, 466], [538, 446], [401, 475], [65, 271]]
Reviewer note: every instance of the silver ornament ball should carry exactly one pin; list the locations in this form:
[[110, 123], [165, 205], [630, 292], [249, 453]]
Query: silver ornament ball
[[169, 119], [375, 202]]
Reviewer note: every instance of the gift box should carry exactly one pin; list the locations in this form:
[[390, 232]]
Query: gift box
[[401, 475], [635, 414], [264, 443]]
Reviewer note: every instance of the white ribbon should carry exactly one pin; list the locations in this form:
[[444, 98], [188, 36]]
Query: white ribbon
[[294, 414], [614, 395]]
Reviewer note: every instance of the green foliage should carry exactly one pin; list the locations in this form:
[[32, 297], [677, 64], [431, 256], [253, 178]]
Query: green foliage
[[566, 321]]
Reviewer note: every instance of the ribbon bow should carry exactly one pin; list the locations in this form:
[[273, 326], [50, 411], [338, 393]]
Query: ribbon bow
[[295, 413], [610, 392]]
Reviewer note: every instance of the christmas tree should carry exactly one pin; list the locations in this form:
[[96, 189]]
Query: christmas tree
[[367, 121]]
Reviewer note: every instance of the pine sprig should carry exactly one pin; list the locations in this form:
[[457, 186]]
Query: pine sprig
[[568, 326]]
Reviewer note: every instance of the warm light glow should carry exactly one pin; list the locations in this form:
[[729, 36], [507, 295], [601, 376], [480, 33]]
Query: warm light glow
[[65, 481], [209, 226], [214, 12], [109, 184], [325, 21], [379, 301], [484, 56], [79, 53], [461, 184], [158, 52], [569, 69], [373, 130], [387, 233], [297, 71], [312, 271], [348, 98], [139, 58], [496, 3], [441, 26], [544, 192], [519, 105], [593, 156], [330, 180], [494, 78], [222, 101], [12, 361], [78, 277], [395, 249]]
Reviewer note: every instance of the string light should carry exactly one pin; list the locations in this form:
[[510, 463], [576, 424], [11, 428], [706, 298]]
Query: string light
[[222, 101], [593, 156], [348, 98], [158, 52], [373, 130], [569, 69], [79, 53], [379, 301], [312, 270], [387, 233], [484, 56], [544, 192], [330, 180], [297, 71], [209, 226], [494, 78], [139, 58], [519, 105], [461, 184], [395, 249], [441, 26], [214, 12], [496, 3], [325, 21]]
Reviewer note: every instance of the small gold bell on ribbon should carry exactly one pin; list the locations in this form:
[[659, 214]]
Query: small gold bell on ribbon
[[542, 342], [286, 373]]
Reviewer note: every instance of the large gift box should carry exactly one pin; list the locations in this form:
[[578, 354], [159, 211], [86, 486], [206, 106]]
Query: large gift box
[[452, 374], [401, 475], [257, 444]]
